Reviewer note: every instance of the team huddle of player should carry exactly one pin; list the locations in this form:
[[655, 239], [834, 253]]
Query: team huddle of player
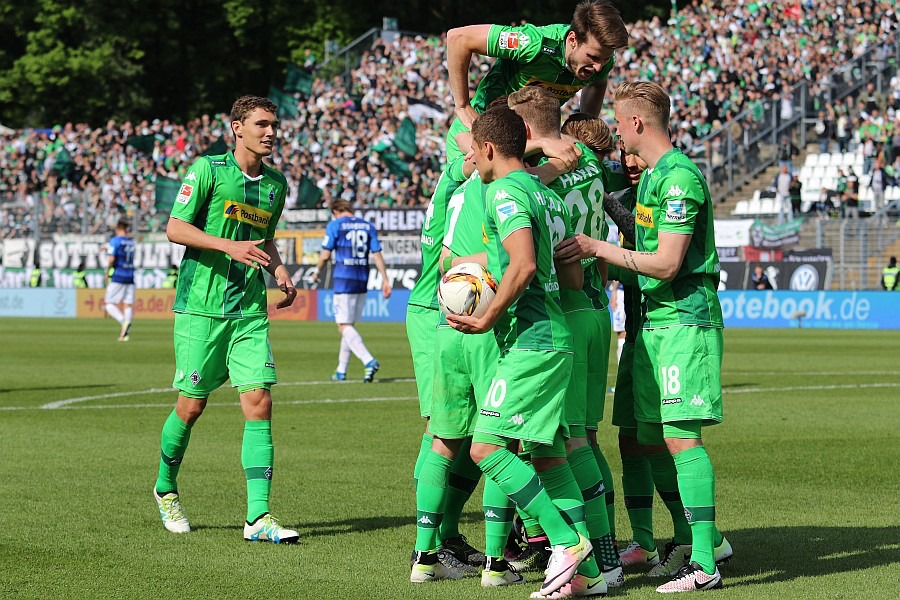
[[517, 394]]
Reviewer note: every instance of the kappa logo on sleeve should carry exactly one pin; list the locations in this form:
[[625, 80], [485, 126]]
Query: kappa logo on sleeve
[[191, 177], [184, 194]]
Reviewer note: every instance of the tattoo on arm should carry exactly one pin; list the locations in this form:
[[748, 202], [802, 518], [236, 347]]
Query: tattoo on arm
[[630, 263]]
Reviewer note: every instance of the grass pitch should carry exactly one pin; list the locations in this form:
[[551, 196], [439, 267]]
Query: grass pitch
[[806, 463]]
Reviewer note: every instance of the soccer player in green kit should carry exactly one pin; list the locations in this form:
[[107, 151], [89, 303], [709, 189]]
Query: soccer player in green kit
[[560, 58], [587, 315], [225, 213], [441, 528], [523, 223], [680, 345]]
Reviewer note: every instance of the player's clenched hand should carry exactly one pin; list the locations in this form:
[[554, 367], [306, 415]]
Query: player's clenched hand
[[468, 324], [386, 289], [564, 150], [290, 293], [575, 248], [248, 253]]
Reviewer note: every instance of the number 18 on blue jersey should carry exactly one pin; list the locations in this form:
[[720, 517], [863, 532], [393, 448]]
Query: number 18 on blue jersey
[[351, 239]]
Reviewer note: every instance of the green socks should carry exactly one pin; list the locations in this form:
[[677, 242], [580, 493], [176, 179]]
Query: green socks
[[609, 485], [697, 484], [464, 476], [175, 437], [563, 489], [583, 464], [637, 486], [524, 488], [424, 449], [431, 498], [498, 517], [257, 456], [665, 478]]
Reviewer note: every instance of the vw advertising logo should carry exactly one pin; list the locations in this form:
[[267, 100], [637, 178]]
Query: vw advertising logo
[[805, 279]]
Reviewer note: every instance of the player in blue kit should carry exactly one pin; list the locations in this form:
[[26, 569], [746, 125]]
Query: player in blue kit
[[120, 279], [351, 240]]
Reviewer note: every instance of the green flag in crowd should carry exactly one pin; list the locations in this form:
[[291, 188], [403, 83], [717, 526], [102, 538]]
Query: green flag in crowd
[[405, 140], [287, 104], [166, 191], [395, 164], [309, 193], [217, 147], [298, 80], [143, 143], [64, 165]]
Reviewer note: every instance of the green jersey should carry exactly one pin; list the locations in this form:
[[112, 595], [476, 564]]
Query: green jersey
[[526, 55], [582, 191], [673, 198], [219, 199], [535, 320], [424, 293], [530, 55], [464, 226]]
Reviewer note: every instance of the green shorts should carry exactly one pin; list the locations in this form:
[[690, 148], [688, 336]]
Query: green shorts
[[421, 329], [209, 351], [586, 394], [623, 399], [526, 399], [453, 151], [685, 363], [463, 369]]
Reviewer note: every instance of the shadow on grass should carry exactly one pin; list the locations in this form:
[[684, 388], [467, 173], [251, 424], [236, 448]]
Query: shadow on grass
[[778, 554], [55, 387], [363, 524]]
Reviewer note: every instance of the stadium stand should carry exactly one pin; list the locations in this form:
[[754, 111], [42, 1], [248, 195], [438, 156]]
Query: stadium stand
[[717, 58]]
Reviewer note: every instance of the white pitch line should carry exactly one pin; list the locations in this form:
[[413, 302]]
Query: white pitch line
[[169, 404], [795, 388], [63, 403]]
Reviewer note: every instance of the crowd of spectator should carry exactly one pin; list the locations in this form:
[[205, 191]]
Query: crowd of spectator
[[717, 58]]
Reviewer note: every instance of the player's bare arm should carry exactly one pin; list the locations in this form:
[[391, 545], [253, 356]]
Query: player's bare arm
[[462, 43], [324, 257], [247, 252], [282, 277], [385, 280], [663, 264], [480, 258], [522, 267], [592, 97], [548, 171], [562, 149], [570, 275]]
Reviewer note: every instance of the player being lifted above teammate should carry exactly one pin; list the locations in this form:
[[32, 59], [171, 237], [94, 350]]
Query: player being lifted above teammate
[[120, 279], [221, 321], [560, 58], [523, 223], [352, 240], [681, 341]]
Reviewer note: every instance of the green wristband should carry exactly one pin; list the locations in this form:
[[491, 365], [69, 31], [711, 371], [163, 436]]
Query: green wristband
[[447, 263]]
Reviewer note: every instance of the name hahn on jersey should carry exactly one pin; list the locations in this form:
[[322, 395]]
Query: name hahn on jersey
[[247, 214]]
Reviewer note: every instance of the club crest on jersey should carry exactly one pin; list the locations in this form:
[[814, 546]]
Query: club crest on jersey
[[184, 193], [271, 195], [510, 40], [247, 214], [643, 216], [675, 210], [506, 210]]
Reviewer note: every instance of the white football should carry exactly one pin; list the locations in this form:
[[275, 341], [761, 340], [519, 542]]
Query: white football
[[466, 289]]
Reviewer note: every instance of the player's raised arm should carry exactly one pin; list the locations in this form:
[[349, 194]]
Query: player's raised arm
[[462, 43]]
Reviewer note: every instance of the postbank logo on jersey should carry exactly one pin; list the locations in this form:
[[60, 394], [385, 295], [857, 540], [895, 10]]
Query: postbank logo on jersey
[[247, 214], [643, 216], [559, 90], [511, 40]]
